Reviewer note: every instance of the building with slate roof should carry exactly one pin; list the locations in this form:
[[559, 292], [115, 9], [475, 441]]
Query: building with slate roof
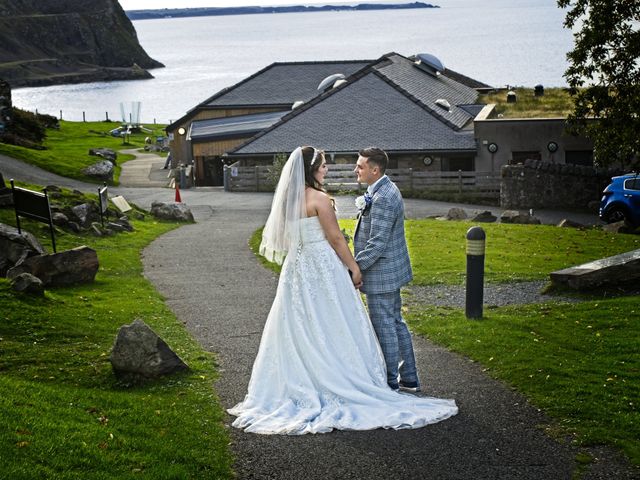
[[426, 117], [418, 116], [235, 114]]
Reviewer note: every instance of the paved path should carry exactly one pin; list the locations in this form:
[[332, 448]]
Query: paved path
[[145, 171], [214, 284]]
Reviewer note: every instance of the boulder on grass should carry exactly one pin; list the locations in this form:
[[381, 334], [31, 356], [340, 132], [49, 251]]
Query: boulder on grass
[[174, 211], [456, 213], [27, 283], [139, 354], [566, 223], [514, 216], [105, 153], [618, 227], [70, 267], [102, 170], [16, 247], [484, 217], [85, 213]]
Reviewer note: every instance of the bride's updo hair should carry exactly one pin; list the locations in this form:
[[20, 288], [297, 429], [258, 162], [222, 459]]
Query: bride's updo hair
[[312, 160]]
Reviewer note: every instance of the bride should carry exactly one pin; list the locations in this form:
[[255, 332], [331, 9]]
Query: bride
[[319, 366]]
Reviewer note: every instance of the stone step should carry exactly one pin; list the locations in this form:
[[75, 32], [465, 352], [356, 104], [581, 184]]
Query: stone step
[[617, 269]]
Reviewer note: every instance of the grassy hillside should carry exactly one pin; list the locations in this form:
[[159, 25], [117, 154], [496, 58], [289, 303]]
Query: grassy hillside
[[67, 148]]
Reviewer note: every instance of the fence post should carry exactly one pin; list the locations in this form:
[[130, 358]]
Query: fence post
[[84, 118], [60, 114], [257, 180], [460, 181], [411, 179]]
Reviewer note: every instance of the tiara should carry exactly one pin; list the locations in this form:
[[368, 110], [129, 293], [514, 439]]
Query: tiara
[[315, 157]]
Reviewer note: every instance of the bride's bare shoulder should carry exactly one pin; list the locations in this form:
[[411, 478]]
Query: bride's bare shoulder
[[317, 200]]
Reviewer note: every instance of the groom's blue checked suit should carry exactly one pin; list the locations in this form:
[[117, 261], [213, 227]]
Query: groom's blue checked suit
[[381, 252]]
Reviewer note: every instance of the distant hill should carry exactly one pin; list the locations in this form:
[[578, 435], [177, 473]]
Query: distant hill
[[45, 42], [213, 11]]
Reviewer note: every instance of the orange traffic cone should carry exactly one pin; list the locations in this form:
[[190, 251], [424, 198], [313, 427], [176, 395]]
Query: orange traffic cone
[[178, 199]]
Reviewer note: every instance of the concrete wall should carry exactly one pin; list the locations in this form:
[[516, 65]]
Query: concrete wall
[[551, 185], [524, 135]]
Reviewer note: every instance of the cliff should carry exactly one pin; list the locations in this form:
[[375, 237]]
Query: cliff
[[45, 42]]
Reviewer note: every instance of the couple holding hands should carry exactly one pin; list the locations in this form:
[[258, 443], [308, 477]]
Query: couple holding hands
[[324, 363]]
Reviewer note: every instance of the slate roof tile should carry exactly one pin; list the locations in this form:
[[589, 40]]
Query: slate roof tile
[[366, 111]]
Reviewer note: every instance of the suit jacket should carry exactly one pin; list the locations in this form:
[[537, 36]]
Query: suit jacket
[[379, 243]]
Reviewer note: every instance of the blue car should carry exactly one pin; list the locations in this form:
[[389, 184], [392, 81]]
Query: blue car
[[621, 200]]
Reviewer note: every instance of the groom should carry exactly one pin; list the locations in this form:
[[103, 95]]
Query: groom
[[381, 252]]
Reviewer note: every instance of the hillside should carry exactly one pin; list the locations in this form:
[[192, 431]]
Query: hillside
[[45, 42]]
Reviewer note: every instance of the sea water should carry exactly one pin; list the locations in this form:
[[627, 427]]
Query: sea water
[[498, 42]]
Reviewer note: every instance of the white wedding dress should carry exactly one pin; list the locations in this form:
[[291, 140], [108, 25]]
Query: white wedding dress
[[319, 366]]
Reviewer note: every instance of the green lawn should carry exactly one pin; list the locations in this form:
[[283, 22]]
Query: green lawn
[[579, 362], [67, 148], [64, 415]]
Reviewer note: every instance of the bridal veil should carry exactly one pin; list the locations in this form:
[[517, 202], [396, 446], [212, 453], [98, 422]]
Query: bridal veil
[[282, 230]]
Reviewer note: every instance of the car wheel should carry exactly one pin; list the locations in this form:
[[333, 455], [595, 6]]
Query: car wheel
[[617, 214]]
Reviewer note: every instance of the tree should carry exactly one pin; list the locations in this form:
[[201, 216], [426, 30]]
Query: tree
[[604, 77]]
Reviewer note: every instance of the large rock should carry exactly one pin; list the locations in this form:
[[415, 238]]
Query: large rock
[[456, 213], [618, 269], [139, 353], [567, 223], [105, 153], [175, 211], [514, 216], [27, 283], [85, 213], [70, 267], [484, 217], [16, 247], [102, 170], [618, 227]]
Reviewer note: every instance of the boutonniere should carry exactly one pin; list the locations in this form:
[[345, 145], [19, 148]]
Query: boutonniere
[[363, 202]]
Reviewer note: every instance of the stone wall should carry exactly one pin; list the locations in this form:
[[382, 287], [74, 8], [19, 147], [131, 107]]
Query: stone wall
[[539, 184]]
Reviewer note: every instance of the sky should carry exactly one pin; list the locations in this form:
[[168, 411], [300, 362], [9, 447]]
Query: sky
[[154, 4]]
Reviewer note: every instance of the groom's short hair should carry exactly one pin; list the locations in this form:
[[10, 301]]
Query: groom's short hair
[[377, 156]]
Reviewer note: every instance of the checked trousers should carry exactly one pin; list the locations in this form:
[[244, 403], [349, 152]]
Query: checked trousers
[[385, 311]]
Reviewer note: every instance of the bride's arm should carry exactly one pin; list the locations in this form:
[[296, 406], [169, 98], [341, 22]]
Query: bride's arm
[[329, 222]]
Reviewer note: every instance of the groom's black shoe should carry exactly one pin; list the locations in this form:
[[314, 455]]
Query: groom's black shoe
[[409, 387]]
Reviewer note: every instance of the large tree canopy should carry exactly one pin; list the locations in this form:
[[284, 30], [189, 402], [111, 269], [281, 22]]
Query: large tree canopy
[[604, 76]]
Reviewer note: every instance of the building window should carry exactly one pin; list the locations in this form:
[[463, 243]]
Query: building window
[[579, 157], [521, 157], [466, 164]]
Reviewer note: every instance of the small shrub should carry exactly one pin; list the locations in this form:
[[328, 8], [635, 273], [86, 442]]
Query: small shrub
[[27, 129], [273, 174]]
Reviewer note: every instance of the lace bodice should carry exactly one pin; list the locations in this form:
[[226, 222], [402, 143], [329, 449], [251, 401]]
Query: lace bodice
[[311, 231]]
